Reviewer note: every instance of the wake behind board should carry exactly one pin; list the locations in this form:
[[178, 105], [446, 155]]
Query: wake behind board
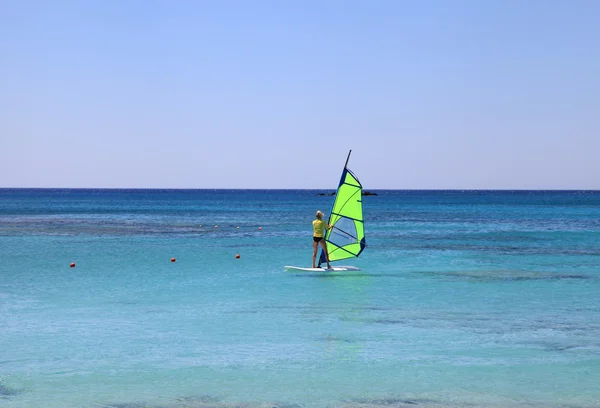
[[333, 269]]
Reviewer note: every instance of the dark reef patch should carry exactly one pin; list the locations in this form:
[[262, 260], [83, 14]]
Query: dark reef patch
[[395, 402], [507, 275], [7, 392]]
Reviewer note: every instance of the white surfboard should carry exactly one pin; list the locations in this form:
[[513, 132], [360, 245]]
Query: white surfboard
[[332, 269]]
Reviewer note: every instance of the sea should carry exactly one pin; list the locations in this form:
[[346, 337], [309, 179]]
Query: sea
[[138, 299]]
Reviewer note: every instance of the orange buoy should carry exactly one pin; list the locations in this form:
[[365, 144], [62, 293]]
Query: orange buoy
[[173, 259], [237, 256], [72, 265]]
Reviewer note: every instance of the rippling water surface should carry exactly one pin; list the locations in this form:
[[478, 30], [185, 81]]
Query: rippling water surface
[[465, 298]]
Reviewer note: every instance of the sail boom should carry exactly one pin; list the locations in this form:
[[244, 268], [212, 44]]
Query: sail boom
[[344, 232]]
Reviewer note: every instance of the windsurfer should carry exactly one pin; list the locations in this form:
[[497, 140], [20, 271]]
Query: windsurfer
[[319, 227]]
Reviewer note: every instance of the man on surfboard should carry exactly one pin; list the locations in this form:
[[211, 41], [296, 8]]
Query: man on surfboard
[[319, 227]]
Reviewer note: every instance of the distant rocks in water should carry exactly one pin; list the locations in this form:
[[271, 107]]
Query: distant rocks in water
[[365, 193]]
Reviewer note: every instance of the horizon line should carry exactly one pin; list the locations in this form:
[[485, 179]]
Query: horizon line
[[294, 189]]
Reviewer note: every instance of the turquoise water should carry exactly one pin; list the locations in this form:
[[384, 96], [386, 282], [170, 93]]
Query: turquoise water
[[468, 298]]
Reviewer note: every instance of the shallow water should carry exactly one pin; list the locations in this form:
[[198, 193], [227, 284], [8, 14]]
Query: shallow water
[[464, 299]]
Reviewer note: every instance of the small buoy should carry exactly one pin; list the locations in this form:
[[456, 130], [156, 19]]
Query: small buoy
[[173, 259], [72, 265], [238, 227], [259, 228], [237, 256], [216, 226]]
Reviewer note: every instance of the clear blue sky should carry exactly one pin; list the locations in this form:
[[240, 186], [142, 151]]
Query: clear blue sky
[[272, 94]]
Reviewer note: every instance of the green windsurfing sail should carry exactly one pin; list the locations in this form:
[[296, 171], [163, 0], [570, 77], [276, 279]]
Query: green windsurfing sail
[[347, 237]]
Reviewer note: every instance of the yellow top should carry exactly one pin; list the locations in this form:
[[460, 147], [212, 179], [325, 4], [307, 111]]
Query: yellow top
[[319, 227]]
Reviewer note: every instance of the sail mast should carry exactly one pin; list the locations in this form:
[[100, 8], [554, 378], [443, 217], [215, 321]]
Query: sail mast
[[348, 158]]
